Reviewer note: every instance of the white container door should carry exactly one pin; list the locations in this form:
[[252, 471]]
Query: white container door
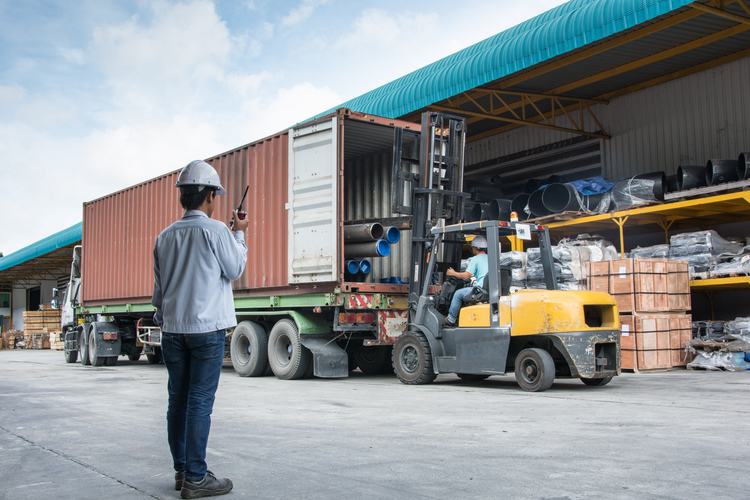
[[313, 204]]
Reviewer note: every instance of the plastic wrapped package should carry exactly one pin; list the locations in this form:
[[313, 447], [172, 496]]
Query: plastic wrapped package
[[630, 192], [516, 261], [735, 265], [567, 267], [719, 360], [653, 252], [596, 246], [739, 328], [704, 242]]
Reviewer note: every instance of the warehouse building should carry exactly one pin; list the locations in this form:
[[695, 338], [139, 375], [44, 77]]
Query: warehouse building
[[592, 88]]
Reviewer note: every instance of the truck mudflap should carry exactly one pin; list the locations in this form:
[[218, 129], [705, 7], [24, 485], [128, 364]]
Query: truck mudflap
[[329, 360], [590, 354]]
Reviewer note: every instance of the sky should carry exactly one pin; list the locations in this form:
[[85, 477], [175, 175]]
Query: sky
[[99, 95]]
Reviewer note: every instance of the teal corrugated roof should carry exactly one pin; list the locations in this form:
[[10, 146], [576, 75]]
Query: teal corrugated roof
[[560, 30], [41, 247]]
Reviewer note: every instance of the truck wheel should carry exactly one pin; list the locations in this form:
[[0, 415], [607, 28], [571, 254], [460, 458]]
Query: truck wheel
[[472, 377], [288, 358], [134, 357], [412, 359], [596, 382], [94, 358], [375, 360], [249, 349], [535, 370], [84, 348], [155, 357], [110, 361]]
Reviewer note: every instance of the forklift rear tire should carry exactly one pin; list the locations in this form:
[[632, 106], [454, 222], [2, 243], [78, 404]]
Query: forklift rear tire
[[249, 349], [412, 359], [83, 347], [288, 358], [374, 360], [535, 370], [596, 382], [472, 377]]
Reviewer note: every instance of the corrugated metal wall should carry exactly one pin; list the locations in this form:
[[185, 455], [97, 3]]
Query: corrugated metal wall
[[367, 194], [683, 122]]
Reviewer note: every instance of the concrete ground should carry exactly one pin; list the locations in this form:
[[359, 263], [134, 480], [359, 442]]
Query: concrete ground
[[68, 431]]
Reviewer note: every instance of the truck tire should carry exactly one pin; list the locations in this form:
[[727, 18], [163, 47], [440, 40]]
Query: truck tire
[[70, 356], [375, 360], [134, 357], [110, 361], [94, 358], [412, 359], [155, 357], [249, 349], [535, 370], [472, 377], [288, 358], [596, 382], [83, 347]]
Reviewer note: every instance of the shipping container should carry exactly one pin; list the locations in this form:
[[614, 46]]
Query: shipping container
[[305, 183]]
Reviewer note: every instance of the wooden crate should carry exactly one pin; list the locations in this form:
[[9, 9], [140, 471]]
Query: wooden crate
[[654, 341], [56, 342], [680, 333], [642, 285], [678, 285]]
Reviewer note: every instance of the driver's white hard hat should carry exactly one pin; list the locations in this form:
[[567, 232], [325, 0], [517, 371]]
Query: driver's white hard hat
[[200, 173], [479, 242]]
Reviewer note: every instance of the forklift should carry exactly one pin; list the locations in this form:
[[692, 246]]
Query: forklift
[[539, 335]]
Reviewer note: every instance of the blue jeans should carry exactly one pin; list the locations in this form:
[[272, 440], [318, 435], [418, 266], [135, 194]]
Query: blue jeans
[[194, 365], [458, 298]]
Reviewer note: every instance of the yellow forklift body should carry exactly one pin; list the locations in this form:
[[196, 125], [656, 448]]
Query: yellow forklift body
[[532, 312], [559, 311]]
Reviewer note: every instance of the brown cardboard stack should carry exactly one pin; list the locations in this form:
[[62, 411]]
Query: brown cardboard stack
[[653, 296], [38, 325]]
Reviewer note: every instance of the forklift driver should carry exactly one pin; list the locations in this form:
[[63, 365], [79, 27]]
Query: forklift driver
[[478, 267]]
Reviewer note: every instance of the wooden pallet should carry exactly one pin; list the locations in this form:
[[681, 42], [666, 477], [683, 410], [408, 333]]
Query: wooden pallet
[[728, 187]]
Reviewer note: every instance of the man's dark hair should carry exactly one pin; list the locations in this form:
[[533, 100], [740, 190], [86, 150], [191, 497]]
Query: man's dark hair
[[191, 198]]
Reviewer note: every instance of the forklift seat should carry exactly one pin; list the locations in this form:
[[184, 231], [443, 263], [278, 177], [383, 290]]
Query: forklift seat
[[480, 295]]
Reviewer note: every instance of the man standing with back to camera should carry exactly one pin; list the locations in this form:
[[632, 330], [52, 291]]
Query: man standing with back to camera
[[195, 261]]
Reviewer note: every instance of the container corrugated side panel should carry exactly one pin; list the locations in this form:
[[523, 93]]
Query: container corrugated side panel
[[262, 166], [119, 232]]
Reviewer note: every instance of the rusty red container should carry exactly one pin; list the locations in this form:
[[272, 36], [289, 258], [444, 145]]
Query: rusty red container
[[119, 230]]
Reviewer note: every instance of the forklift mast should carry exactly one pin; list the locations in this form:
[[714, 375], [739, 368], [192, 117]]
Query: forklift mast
[[435, 189]]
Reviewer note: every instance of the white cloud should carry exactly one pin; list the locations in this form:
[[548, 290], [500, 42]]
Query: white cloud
[[12, 95], [267, 31], [74, 56], [376, 27], [303, 11], [184, 42], [250, 4]]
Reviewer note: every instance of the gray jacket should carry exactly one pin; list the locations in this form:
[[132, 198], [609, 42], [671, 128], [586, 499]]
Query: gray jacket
[[195, 261]]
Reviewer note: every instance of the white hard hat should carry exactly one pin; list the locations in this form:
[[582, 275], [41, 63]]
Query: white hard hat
[[479, 242], [200, 173]]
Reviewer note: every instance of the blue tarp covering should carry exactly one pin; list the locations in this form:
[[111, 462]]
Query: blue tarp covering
[[41, 247], [593, 185], [558, 31]]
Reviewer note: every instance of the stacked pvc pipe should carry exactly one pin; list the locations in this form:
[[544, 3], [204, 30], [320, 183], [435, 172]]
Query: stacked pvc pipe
[[369, 240]]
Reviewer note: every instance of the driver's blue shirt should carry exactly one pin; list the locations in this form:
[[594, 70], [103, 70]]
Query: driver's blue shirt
[[478, 267]]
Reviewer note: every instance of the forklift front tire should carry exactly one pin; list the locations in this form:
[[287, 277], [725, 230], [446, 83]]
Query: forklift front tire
[[596, 382], [535, 370], [412, 359]]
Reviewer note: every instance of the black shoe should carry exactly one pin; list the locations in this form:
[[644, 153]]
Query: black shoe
[[179, 478], [208, 487]]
